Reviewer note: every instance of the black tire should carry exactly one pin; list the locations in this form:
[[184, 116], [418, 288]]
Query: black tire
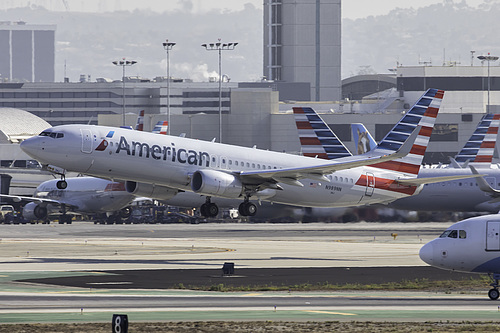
[[493, 294], [204, 210], [212, 210], [241, 209], [62, 184], [251, 209]]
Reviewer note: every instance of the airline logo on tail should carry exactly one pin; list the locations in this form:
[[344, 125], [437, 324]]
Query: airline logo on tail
[[316, 138], [423, 114], [161, 127], [481, 145], [140, 121]]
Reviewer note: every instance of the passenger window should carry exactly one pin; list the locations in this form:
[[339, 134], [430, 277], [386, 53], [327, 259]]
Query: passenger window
[[462, 234]]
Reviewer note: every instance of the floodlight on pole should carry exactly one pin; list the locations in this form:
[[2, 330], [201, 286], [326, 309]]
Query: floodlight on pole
[[218, 46], [168, 46], [488, 58], [124, 63]]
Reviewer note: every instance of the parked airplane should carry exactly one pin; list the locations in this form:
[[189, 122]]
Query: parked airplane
[[83, 195], [173, 164], [479, 195], [472, 245]]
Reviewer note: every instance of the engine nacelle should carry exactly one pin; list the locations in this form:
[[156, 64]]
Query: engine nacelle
[[218, 183], [152, 191], [34, 211]]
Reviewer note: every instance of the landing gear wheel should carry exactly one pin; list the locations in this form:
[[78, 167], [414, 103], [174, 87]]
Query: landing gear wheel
[[204, 210], [62, 184], [493, 294], [247, 208], [212, 210]]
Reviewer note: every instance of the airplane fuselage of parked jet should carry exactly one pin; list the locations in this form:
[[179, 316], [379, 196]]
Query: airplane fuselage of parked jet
[[463, 195]]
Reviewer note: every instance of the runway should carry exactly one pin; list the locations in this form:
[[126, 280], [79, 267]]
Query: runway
[[87, 272]]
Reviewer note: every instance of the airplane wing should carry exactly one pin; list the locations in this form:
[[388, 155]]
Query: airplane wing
[[291, 176], [18, 198], [483, 184], [432, 180]]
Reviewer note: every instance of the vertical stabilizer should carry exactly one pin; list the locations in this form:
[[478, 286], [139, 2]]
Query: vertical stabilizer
[[316, 138], [481, 145], [423, 113]]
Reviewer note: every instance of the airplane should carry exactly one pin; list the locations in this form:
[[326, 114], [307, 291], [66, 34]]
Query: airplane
[[172, 164], [471, 245], [83, 195], [479, 195]]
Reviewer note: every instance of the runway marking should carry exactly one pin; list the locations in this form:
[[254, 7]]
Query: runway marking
[[330, 312], [254, 294]]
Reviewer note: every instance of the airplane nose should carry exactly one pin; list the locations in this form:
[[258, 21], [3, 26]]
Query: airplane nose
[[30, 146], [427, 254]]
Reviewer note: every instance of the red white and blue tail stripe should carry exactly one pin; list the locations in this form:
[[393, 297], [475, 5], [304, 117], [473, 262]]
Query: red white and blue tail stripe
[[140, 121], [481, 145], [161, 127], [316, 138], [423, 114]]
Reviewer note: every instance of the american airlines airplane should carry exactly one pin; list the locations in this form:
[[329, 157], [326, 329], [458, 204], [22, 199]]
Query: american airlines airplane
[[172, 164], [83, 195], [472, 245], [473, 195]]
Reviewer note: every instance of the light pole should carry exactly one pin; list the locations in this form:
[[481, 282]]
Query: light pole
[[220, 47], [124, 63], [488, 58], [168, 46]]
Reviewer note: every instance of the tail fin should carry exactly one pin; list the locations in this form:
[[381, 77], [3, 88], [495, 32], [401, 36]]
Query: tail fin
[[316, 138], [160, 127], [423, 113], [140, 121], [362, 138], [481, 145]]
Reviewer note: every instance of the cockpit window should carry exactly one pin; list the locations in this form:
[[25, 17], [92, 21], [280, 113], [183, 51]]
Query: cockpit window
[[454, 234], [54, 135]]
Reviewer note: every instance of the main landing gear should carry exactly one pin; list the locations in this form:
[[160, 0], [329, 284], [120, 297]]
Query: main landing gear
[[247, 208], [493, 294], [209, 209]]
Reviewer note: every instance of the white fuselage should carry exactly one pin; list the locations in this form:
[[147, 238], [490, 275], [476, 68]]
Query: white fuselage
[[88, 194], [472, 245], [164, 160], [462, 195]]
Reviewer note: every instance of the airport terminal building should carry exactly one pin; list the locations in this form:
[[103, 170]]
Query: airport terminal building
[[254, 114]]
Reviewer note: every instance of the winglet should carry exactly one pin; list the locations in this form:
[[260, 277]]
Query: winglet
[[483, 184]]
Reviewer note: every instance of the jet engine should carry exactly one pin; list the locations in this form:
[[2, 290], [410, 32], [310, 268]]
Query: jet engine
[[34, 211], [152, 191], [212, 182]]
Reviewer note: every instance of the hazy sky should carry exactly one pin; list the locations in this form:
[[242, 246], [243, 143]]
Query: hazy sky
[[350, 8]]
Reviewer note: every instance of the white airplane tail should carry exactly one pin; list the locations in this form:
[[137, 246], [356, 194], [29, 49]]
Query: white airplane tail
[[140, 121], [423, 114], [161, 127], [481, 145], [316, 138], [362, 138]]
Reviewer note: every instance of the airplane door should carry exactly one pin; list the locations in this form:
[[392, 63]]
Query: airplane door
[[370, 184], [86, 141], [223, 162], [492, 236]]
